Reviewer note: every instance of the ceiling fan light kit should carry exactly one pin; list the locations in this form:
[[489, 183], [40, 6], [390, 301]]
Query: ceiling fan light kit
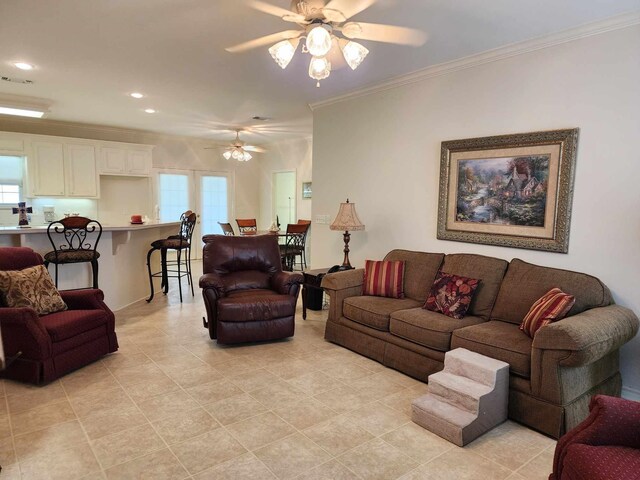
[[319, 20]]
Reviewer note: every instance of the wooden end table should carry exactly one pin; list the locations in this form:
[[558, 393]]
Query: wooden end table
[[312, 280]]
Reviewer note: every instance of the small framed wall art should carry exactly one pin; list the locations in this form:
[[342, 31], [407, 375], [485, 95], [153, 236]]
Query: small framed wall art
[[306, 189], [509, 190]]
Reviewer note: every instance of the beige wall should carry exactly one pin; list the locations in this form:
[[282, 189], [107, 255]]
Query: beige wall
[[382, 151], [288, 155], [170, 152]]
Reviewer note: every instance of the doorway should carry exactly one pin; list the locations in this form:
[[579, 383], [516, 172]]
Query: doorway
[[283, 186]]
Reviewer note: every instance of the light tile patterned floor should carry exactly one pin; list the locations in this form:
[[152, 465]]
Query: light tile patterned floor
[[171, 404]]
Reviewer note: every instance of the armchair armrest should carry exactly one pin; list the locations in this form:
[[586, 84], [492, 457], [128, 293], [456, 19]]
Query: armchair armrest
[[611, 421], [213, 281], [23, 332], [287, 283], [85, 299], [590, 335]]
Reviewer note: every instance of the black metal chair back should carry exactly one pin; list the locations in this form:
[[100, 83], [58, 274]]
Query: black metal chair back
[[74, 240], [294, 243]]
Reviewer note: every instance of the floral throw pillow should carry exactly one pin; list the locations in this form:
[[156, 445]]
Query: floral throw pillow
[[31, 287], [451, 294]]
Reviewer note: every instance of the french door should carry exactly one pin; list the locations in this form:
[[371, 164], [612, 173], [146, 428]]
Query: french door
[[209, 194]]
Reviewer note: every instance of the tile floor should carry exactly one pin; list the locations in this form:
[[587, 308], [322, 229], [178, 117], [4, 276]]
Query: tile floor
[[171, 404]]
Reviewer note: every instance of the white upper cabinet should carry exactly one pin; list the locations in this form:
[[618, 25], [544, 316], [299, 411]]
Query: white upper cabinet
[[81, 173], [125, 161], [47, 168]]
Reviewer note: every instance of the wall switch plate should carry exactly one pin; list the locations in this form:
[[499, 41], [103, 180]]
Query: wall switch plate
[[323, 219]]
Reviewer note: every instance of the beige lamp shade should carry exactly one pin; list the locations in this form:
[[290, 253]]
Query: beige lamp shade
[[347, 219]]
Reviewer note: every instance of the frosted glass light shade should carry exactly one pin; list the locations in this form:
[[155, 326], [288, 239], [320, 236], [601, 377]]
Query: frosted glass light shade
[[246, 156], [319, 68], [282, 52], [227, 154], [353, 53], [318, 41]]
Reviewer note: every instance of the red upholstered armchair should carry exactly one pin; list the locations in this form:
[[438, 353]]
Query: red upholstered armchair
[[51, 345], [247, 295], [605, 446]]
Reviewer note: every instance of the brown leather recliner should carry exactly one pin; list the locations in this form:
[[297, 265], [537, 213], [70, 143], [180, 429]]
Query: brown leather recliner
[[247, 295]]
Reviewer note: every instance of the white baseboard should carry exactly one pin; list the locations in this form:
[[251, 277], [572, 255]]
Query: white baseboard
[[631, 393], [129, 304]]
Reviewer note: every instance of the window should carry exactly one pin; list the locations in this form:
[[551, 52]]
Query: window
[[174, 196], [11, 171]]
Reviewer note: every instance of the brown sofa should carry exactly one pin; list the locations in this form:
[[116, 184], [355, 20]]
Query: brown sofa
[[552, 377]]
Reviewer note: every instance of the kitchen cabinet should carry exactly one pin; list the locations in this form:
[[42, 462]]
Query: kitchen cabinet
[[125, 161], [63, 169], [47, 169], [81, 174]]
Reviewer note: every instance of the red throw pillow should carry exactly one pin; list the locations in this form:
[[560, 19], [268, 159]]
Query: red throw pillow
[[451, 294], [553, 305], [384, 278]]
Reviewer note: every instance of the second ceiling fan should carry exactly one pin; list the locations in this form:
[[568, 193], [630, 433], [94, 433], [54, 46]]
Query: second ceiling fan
[[238, 150], [319, 24]]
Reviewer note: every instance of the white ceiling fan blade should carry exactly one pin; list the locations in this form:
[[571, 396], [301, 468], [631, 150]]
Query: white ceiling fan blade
[[384, 33], [283, 13], [348, 8], [263, 41], [253, 148]]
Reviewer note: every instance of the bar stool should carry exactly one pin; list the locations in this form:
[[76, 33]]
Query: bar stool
[[74, 240], [180, 243]]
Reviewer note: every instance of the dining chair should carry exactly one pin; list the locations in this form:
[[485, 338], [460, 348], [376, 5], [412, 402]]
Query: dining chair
[[247, 226], [294, 246], [227, 229], [74, 240]]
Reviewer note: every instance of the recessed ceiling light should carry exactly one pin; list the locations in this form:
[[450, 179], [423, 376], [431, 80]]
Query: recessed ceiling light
[[23, 66], [149, 110], [136, 95]]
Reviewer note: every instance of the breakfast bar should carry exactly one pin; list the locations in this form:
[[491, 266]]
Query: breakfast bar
[[123, 250]]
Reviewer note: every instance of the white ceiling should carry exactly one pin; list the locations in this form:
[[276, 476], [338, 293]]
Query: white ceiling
[[91, 53]]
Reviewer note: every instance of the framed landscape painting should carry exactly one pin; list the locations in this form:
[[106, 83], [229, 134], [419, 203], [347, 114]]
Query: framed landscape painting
[[509, 190]]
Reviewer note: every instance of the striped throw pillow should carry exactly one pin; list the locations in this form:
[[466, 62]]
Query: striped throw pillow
[[384, 278], [553, 305]]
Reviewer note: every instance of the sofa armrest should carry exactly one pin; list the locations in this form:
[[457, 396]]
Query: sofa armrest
[[287, 283], [85, 299], [23, 332], [213, 281], [590, 335], [339, 286], [611, 421], [344, 279]]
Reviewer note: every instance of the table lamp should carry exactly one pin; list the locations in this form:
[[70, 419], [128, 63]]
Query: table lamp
[[347, 220]]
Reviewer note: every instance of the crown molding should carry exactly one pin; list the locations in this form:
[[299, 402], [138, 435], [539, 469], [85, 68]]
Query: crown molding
[[613, 23]]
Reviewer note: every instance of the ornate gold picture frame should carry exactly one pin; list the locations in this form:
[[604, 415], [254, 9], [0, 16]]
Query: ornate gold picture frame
[[509, 190]]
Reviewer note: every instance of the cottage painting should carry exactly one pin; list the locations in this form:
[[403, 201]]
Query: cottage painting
[[503, 191]]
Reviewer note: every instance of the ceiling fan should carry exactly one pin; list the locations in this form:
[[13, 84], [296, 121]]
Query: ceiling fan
[[319, 23], [238, 150]]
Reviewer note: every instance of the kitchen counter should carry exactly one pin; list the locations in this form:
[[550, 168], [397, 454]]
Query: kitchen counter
[[123, 258], [106, 227]]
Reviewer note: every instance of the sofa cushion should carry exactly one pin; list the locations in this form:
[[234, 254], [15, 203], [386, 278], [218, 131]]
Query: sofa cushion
[[489, 270], [524, 283], [500, 340], [374, 312], [255, 305], [553, 305], [63, 325], [602, 462], [451, 295], [430, 329], [384, 278], [420, 271]]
